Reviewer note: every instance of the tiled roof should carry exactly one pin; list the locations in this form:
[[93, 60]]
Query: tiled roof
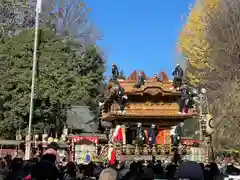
[[148, 109], [134, 76], [81, 118], [155, 85], [148, 113], [151, 86]]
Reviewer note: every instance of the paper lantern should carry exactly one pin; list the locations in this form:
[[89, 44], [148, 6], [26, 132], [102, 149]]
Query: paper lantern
[[50, 140], [36, 137]]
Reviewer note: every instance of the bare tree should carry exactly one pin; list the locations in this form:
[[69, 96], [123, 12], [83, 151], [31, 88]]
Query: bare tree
[[72, 21], [69, 18], [14, 15], [223, 36], [226, 134]]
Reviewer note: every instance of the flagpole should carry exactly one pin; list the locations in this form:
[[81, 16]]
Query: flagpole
[[28, 137]]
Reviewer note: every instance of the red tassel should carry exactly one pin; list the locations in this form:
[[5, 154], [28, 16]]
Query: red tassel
[[119, 136], [113, 158]]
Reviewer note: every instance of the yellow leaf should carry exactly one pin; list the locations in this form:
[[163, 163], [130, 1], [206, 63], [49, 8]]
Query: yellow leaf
[[192, 43]]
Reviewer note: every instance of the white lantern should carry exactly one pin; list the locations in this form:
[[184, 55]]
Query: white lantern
[[44, 137], [194, 91], [50, 140], [36, 137], [203, 91]]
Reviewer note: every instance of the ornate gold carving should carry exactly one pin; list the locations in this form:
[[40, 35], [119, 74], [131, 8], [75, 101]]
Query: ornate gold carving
[[149, 90], [137, 150], [145, 149], [128, 149], [142, 150], [124, 148], [150, 105], [138, 158], [153, 91], [159, 149], [154, 152], [164, 148]]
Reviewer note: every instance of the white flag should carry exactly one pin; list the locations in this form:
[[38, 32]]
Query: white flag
[[39, 6]]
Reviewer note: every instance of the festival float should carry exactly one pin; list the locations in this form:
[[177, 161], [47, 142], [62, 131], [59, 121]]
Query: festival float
[[142, 111]]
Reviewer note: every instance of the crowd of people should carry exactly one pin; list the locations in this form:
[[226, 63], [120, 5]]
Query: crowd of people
[[47, 167]]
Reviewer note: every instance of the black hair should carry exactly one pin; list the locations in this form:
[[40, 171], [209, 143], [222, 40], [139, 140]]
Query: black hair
[[49, 157], [53, 145]]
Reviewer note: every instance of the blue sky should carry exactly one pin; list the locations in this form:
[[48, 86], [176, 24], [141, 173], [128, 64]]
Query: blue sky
[[140, 35]]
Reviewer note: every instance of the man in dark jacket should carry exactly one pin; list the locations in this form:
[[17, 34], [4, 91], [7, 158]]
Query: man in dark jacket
[[46, 169], [177, 77], [70, 172], [190, 170]]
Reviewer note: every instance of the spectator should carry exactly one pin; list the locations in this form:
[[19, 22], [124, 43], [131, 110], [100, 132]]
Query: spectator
[[70, 172], [15, 166], [46, 169], [190, 170], [108, 174]]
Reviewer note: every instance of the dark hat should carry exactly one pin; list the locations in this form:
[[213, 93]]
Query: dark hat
[[190, 170], [148, 173]]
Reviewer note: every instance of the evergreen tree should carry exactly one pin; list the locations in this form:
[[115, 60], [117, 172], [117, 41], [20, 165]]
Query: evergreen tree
[[64, 77]]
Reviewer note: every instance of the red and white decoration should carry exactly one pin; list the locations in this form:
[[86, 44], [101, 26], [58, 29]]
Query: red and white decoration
[[119, 135], [90, 138], [116, 134], [111, 155]]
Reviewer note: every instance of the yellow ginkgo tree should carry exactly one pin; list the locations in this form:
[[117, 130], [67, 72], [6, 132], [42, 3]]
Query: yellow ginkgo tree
[[192, 43]]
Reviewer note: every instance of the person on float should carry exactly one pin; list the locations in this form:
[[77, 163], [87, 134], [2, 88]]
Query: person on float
[[184, 99], [122, 99], [128, 132], [141, 81], [140, 135], [177, 77], [115, 72], [152, 135], [176, 134], [172, 134]]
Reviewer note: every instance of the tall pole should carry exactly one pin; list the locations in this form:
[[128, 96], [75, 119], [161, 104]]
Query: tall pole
[[28, 139], [200, 119], [19, 134], [201, 135]]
